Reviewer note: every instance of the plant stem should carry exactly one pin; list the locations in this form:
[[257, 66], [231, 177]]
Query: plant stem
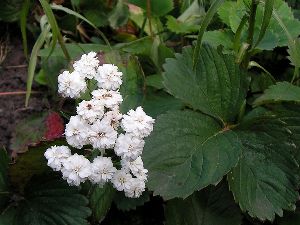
[[252, 16], [253, 9], [149, 16]]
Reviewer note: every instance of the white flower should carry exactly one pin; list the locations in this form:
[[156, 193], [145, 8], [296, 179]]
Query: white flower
[[110, 99], [102, 170], [122, 180], [76, 132], [90, 110], [109, 77], [102, 135], [71, 84], [136, 167], [87, 65], [113, 118], [137, 123], [129, 147], [76, 169], [136, 189], [56, 155]]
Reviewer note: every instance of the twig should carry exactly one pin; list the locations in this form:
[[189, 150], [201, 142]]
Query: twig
[[18, 93]]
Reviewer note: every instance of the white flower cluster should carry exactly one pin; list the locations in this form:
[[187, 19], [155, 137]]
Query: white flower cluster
[[97, 123]]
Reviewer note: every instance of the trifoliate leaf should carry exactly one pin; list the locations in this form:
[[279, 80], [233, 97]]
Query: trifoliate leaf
[[4, 193], [186, 152], [217, 86], [49, 201], [280, 92], [265, 181], [100, 201], [212, 206]]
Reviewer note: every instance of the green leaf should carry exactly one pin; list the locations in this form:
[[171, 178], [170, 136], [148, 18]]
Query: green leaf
[[48, 200], [158, 7], [207, 19], [268, 9], [213, 206], [232, 13], [23, 23], [28, 131], [216, 87], [155, 80], [280, 92], [265, 180], [119, 15], [100, 201], [186, 152], [219, 37], [33, 62], [125, 204], [159, 102], [4, 191], [29, 164], [180, 27], [10, 10], [132, 86], [71, 12]]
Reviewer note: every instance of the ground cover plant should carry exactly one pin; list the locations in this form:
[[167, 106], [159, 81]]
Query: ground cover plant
[[153, 112]]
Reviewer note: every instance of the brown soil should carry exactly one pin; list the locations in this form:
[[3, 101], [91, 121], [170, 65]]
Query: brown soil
[[13, 75]]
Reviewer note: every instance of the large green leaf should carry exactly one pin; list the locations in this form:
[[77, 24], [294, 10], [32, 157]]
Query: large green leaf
[[4, 160], [280, 92], [100, 201], [50, 201], [216, 87], [265, 180], [214, 206], [188, 151]]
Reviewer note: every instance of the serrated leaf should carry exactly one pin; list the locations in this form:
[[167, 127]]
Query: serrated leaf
[[100, 201], [155, 80], [48, 200], [158, 7], [280, 92], [4, 191], [186, 152], [216, 87], [125, 204], [213, 206], [265, 180]]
